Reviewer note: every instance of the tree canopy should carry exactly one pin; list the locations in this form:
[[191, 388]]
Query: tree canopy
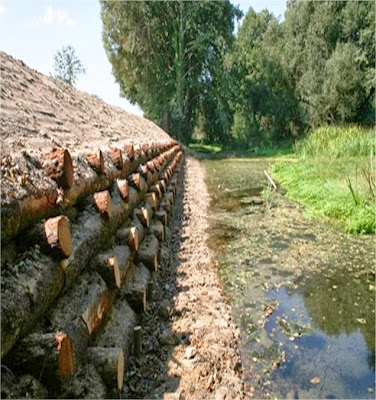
[[190, 73], [164, 55]]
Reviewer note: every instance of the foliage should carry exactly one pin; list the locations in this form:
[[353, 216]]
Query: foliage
[[328, 53], [67, 65], [336, 142], [166, 55], [334, 177]]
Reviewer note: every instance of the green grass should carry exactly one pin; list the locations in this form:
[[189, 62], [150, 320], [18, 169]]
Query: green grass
[[337, 142], [205, 148], [334, 177]]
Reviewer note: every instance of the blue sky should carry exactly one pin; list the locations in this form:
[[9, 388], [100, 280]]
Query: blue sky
[[33, 30]]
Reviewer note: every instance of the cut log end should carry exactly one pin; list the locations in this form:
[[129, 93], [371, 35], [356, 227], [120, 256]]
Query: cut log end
[[65, 349], [96, 161], [59, 167], [114, 264], [102, 201], [116, 158], [122, 185], [120, 372], [58, 234], [133, 239]]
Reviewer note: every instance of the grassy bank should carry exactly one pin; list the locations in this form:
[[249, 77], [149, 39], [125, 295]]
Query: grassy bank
[[334, 177]]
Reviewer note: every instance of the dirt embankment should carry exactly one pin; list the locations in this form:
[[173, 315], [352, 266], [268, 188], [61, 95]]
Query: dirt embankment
[[39, 113], [189, 339]]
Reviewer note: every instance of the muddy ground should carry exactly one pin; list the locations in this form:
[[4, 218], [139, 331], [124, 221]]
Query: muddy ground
[[190, 343]]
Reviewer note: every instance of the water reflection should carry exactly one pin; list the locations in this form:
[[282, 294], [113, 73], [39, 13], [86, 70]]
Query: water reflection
[[303, 295]]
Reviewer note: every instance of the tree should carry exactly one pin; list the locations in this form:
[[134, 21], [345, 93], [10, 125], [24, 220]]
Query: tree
[[67, 65], [164, 55]]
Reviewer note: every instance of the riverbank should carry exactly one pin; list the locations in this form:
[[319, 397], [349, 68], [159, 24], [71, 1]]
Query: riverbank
[[190, 342]]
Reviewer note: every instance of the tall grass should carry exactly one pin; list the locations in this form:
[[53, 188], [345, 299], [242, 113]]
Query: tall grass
[[335, 176], [337, 142]]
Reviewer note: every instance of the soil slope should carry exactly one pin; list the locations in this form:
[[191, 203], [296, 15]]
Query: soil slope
[[39, 113]]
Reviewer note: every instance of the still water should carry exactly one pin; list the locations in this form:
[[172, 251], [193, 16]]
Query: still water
[[302, 293]]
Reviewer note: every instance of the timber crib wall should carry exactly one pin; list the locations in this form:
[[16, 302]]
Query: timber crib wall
[[78, 257]]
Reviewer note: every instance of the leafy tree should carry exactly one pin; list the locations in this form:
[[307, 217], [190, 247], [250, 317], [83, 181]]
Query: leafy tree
[[317, 35], [67, 65], [165, 55], [265, 106]]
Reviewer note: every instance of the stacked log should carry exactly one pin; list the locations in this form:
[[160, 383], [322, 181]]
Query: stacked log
[[88, 265]]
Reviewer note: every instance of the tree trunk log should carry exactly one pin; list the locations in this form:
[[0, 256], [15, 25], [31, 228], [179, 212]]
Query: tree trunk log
[[109, 362], [137, 346], [47, 355], [122, 186], [148, 252], [113, 265], [58, 235], [103, 203], [88, 299], [135, 291], [151, 199], [129, 150], [161, 215], [59, 167], [27, 290], [118, 331], [116, 157], [143, 216], [96, 161], [128, 236], [158, 230]]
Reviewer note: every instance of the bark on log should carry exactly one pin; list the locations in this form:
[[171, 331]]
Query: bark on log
[[169, 196], [96, 161], [59, 167], [148, 252], [137, 181], [44, 355], [89, 234], [27, 290], [85, 384], [158, 230], [134, 197], [109, 362], [128, 236], [166, 205], [116, 157], [161, 215], [157, 190], [118, 330], [141, 230], [89, 299], [113, 265], [103, 203], [151, 198], [135, 291]]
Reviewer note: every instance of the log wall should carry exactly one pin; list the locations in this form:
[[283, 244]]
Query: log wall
[[79, 256]]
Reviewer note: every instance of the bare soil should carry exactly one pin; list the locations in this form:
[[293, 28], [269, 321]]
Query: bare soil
[[190, 343], [39, 113]]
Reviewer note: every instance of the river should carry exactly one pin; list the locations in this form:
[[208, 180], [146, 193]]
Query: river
[[302, 293]]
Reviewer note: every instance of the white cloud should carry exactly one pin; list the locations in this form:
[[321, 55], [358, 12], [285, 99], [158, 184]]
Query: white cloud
[[56, 15], [3, 9]]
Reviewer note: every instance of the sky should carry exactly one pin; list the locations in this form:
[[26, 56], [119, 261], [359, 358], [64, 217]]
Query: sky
[[34, 30]]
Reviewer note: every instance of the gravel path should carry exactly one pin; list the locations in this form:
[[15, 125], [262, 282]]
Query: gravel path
[[189, 339]]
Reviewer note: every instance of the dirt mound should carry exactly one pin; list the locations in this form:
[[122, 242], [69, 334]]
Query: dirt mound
[[39, 113]]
